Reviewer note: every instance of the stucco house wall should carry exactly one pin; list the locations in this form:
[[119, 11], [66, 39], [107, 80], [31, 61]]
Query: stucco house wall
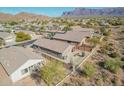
[[67, 53], [17, 75]]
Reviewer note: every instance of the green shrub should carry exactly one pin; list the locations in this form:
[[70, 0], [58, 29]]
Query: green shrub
[[113, 65], [105, 31], [2, 42], [13, 23], [66, 28], [94, 40], [89, 69], [8, 30], [113, 55], [42, 29], [21, 36], [122, 58]]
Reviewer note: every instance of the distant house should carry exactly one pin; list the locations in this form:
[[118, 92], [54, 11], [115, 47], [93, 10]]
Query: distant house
[[53, 49], [7, 37], [37, 27], [104, 23], [19, 62], [18, 27], [52, 26], [75, 36]]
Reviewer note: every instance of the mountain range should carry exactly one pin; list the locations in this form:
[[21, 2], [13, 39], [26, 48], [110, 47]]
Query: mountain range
[[95, 11], [76, 12], [22, 16]]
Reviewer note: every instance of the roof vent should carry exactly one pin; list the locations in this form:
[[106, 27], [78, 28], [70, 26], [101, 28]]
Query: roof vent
[[7, 64]]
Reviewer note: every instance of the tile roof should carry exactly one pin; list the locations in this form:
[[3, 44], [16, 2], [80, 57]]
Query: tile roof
[[5, 35], [54, 45], [74, 36], [13, 57]]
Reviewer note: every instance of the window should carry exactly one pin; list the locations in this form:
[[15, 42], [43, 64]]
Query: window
[[31, 68], [24, 71], [39, 64], [69, 41]]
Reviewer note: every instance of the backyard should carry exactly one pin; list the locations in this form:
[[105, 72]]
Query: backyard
[[104, 67], [53, 72]]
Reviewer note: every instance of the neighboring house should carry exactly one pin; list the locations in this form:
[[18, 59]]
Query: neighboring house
[[7, 37], [18, 27], [75, 36], [19, 62], [52, 26], [54, 49], [104, 23], [37, 27]]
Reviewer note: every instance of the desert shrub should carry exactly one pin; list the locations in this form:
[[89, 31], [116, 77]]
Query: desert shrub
[[66, 28], [108, 49], [122, 58], [13, 23], [116, 81], [94, 41], [50, 35], [2, 42], [21, 36], [105, 31], [113, 65], [104, 48], [113, 55], [89, 69]]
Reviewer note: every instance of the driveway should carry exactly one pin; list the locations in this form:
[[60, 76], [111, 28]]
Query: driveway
[[27, 81], [4, 78]]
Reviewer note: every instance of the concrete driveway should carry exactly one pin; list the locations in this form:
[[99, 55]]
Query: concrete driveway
[[4, 78]]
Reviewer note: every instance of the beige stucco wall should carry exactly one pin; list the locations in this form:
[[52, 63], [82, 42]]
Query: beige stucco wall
[[67, 54], [17, 75]]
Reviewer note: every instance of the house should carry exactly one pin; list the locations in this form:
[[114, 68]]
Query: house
[[37, 27], [53, 49], [52, 26], [18, 62], [18, 27], [75, 36], [7, 37], [104, 23]]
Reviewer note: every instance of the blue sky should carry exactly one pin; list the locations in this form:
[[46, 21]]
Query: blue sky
[[50, 11]]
